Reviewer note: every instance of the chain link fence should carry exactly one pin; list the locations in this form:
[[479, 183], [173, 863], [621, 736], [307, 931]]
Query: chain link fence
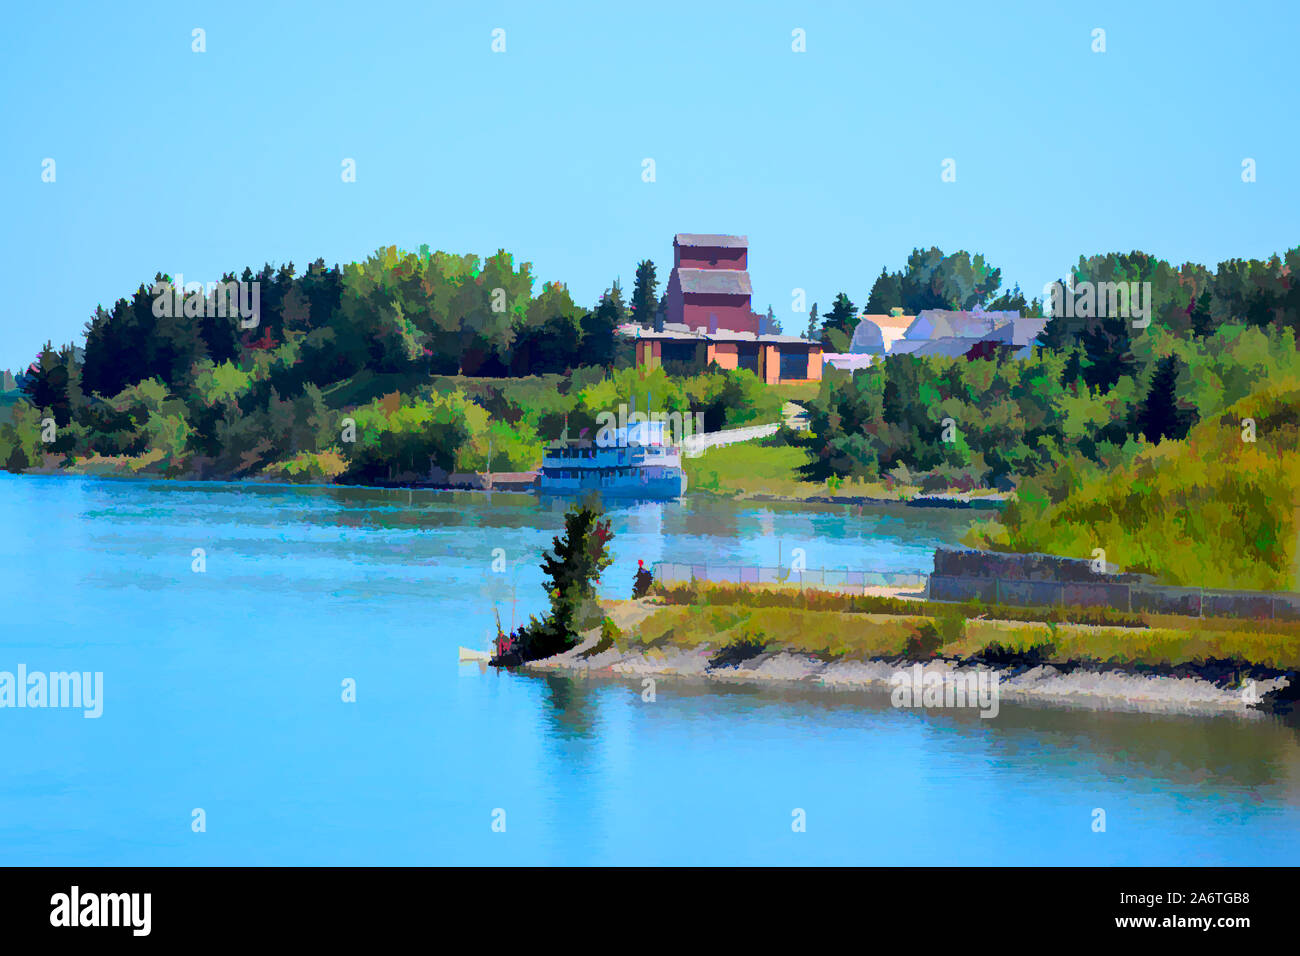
[[1151, 598], [845, 580]]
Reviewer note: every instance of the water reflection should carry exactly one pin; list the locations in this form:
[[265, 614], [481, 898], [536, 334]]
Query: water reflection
[[1257, 754], [571, 709]]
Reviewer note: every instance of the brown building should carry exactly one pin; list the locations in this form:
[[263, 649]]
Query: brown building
[[709, 285], [707, 318]]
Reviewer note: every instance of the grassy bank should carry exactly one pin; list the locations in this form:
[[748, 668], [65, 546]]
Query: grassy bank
[[1217, 509], [839, 626], [771, 468], [750, 467]]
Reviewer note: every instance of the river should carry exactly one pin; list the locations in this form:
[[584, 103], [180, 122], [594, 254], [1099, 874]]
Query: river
[[223, 692]]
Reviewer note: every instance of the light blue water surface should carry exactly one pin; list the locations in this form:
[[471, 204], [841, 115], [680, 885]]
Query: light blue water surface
[[222, 691]]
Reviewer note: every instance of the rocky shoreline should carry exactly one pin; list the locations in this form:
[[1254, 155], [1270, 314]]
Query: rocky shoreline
[[1073, 686]]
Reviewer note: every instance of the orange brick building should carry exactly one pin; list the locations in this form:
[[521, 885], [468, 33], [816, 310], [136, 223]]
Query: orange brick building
[[773, 358]]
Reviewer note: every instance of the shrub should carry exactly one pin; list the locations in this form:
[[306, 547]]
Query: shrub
[[539, 639], [924, 644], [610, 636], [396, 442], [1004, 655], [950, 623], [307, 468], [740, 650]]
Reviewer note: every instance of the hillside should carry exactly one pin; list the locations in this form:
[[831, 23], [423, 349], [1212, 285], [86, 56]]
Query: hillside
[[1213, 510]]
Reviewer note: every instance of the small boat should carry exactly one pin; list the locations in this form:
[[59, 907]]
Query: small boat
[[637, 462], [468, 655]]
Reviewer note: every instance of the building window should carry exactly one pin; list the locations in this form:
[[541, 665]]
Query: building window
[[747, 356], [794, 365]]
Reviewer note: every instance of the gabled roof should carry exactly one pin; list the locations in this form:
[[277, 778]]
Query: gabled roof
[[715, 281], [710, 241], [943, 323], [953, 346]]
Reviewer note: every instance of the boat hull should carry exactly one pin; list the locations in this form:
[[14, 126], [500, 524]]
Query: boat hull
[[657, 488]]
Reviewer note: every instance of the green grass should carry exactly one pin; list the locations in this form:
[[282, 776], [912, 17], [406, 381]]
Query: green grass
[[1187, 644], [754, 468], [811, 599], [798, 392], [808, 620], [831, 634], [749, 467]]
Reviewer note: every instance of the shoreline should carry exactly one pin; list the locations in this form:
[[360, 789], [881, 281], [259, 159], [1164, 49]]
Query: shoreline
[[1187, 689], [958, 499], [1068, 687], [943, 500]]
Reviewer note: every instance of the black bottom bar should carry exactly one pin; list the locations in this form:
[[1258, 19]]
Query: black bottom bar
[[335, 905]]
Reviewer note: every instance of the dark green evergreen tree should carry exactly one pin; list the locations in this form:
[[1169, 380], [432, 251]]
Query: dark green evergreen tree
[[572, 568], [1160, 415], [645, 298], [838, 325], [886, 293], [46, 385], [814, 327], [599, 327], [1011, 300]]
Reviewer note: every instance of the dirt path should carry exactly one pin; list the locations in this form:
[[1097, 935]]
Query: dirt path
[[628, 615]]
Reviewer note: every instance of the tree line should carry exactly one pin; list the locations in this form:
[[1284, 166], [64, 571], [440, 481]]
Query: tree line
[[1099, 387], [402, 338]]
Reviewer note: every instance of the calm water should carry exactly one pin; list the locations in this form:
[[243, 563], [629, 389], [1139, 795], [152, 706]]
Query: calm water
[[222, 691]]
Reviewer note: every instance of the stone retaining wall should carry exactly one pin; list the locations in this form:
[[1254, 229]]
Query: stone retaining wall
[[1044, 580]]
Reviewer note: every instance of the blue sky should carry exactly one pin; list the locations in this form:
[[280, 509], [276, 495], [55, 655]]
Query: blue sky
[[829, 160]]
